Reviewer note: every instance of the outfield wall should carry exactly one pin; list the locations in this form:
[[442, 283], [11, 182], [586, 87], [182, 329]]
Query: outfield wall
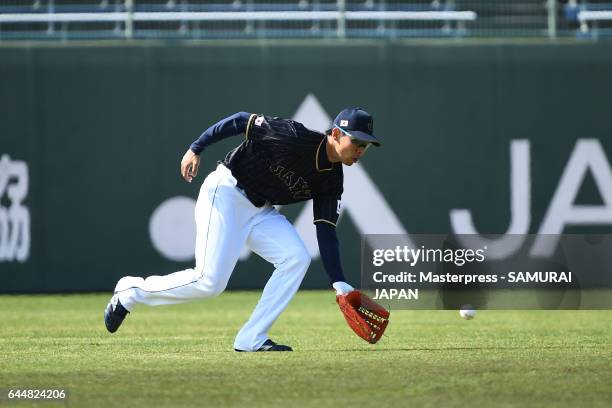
[[91, 139]]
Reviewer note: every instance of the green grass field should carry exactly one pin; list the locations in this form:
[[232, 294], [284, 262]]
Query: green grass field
[[182, 356]]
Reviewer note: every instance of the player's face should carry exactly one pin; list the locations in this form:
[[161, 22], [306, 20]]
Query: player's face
[[350, 149]]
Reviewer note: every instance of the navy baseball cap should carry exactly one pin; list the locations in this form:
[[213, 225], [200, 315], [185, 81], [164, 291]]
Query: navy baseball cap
[[358, 123]]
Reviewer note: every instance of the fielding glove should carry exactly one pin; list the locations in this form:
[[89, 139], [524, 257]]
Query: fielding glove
[[364, 316]]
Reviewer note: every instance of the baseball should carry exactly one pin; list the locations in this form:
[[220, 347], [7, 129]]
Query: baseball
[[467, 312]]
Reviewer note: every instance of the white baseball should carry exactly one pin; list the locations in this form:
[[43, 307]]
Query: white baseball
[[467, 312]]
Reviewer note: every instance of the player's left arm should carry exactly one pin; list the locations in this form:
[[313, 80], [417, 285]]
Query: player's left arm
[[326, 211]]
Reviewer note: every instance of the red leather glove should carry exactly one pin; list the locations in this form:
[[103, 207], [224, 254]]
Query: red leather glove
[[367, 318]]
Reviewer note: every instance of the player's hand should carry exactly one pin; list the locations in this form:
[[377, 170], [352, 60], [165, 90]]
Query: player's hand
[[342, 288], [189, 165]]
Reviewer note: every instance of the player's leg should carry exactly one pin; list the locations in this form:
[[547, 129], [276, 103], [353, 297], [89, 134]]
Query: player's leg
[[275, 240], [223, 217]]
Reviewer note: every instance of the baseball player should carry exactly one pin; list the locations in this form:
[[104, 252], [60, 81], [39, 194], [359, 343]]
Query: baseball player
[[280, 161]]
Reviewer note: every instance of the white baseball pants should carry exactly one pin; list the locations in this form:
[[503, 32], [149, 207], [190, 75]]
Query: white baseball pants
[[225, 221]]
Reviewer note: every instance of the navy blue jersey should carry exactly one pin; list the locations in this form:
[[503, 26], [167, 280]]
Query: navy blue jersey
[[282, 162]]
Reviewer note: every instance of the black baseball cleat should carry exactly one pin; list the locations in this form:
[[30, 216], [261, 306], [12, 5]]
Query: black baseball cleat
[[269, 345], [114, 314]]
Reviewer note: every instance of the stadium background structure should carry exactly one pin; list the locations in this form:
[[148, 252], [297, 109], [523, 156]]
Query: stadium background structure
[[383, 19]]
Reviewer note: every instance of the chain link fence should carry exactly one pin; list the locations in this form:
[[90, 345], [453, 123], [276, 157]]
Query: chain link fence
[[200, 19]]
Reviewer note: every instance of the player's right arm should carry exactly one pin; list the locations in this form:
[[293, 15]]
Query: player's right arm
[[189, 165], [233, 125]]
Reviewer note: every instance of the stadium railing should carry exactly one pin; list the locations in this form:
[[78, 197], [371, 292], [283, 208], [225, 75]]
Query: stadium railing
[[594, 18], [205, 19], [133, 19]]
